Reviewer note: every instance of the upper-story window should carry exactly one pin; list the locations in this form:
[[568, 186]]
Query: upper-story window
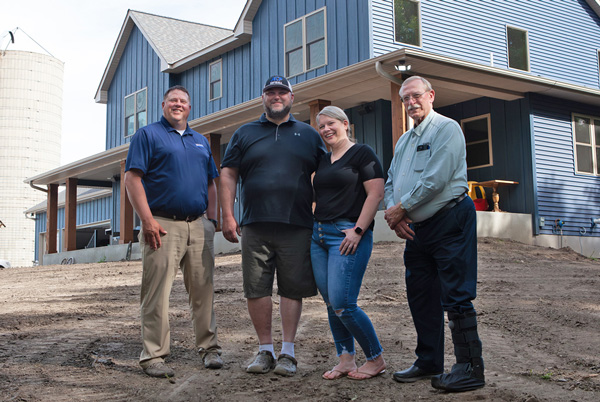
[[306, 43], [135, 112], [586, 141], [478, 138], [407, 22], [215, 70], [517, 43]]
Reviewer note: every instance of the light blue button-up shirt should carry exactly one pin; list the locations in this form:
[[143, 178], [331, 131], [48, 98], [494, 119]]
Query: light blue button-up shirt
[[429, 168]]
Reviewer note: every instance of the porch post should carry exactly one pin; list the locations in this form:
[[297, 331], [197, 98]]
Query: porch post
[[315, 107], [215, 148], [126, 212], [399, 126], [51, 218], [70, 242]]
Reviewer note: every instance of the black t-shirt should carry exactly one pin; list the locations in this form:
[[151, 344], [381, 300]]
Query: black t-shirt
[[275, 164], [338, 186]]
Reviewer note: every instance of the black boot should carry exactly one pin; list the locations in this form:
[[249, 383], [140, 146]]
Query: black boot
[[467, 373]]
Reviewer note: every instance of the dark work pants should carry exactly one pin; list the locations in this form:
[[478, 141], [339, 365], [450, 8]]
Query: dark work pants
[[441, 274]]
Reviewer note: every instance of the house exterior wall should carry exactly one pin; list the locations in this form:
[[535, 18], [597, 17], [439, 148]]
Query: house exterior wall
[[561, 192], [563, 35], [138, 68]]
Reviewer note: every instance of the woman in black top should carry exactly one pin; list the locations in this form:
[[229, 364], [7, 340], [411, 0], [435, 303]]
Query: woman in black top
[[348, 187]]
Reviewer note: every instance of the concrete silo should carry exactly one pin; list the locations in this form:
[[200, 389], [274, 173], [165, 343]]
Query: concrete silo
[[31, 87]]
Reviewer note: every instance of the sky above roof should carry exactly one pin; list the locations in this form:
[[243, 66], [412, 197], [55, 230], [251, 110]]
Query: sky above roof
[[82, 35]]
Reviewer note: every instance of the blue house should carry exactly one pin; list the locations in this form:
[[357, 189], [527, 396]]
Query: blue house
[[525, 90]]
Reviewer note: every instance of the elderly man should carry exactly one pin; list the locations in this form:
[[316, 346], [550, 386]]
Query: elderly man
[[275, 157], [427, 205], [170, 182]]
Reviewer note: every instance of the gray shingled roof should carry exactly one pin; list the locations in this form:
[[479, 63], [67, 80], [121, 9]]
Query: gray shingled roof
[[176, 39]]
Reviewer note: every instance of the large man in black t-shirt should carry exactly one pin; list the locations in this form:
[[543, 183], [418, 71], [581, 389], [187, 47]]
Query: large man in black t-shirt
[[274, 157]]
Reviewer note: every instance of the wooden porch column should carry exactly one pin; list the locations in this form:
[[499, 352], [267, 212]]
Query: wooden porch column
[[399, 125], [70, 241], [315, 107], [215, 147], [51, 218], [126, 212]]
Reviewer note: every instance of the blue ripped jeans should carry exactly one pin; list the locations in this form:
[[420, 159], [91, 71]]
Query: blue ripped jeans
[[339, 278]]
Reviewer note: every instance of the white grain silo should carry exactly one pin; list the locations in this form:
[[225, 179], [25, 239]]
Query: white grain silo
[[31, 87]]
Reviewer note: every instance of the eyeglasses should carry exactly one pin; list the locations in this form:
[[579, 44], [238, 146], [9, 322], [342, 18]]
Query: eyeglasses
[[416, 97]]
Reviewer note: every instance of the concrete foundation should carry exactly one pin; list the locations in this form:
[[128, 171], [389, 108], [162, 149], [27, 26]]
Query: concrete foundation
[[511, 226]]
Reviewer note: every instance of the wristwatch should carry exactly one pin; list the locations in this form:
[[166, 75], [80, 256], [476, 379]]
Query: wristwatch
[[214, 222], [358, 230]]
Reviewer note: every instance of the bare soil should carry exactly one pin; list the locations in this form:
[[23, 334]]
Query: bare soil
[[72, 333]]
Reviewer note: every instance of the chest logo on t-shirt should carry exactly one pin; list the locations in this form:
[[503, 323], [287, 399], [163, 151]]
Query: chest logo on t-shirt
[[200, 145], [297, 134]]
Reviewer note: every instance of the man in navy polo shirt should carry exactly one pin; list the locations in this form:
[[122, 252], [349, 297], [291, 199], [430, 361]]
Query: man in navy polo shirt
[[170, 181], [275, 157]]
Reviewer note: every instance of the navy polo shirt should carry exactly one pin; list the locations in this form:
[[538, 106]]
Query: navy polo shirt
[[275, 163], [177, 168]]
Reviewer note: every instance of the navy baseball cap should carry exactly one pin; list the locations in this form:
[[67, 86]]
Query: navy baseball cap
[[277, 81]]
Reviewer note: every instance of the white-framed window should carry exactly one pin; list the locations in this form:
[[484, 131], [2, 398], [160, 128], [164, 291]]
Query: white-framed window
[[478, 137], [517, 45], [586, 144], [599, 67], [305, 42], [407, 22], [215, 72], [135, 111]]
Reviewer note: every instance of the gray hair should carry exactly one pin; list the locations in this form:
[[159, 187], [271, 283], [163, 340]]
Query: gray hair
[[338, 114], [416, 77]]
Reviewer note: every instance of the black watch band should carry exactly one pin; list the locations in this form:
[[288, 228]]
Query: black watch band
[[358, 230]]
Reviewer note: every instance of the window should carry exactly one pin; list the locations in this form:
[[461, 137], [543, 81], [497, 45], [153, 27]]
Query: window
[[517, 43], [478, 136], [586, 132], [215, 79], [135, 112], [407, 22], [305, 43]]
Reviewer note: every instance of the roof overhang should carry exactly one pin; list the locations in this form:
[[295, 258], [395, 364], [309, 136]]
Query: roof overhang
[[454, 81]]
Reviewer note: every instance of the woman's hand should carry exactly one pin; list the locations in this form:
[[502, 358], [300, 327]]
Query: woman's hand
[[350, 242]]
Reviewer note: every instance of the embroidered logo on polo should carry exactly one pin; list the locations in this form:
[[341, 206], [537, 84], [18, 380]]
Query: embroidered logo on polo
[[297, 134], [200, 145]]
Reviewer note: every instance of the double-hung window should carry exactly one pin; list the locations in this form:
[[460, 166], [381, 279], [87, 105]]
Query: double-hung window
[[586, 143], [135, 112], [517, 43], [478, 138], [306, 43], [216, 79], [407, 22]]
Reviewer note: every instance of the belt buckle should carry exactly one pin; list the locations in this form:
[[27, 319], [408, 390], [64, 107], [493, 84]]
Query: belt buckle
[[189, 218]]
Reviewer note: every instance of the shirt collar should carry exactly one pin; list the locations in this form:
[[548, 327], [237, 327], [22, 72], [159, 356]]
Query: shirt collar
[[424, 124], [170, 128], [263, 119]]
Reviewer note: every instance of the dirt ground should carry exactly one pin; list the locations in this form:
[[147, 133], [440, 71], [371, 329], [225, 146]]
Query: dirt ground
[[71, 333]]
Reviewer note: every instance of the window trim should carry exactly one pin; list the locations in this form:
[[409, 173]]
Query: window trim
[[305, 68], [526, 44], [593, 145], [134, 94], [220, 62], [598, 65], [488, 117], [420, 26]]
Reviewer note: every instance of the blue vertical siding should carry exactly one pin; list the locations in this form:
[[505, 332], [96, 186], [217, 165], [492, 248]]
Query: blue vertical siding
[[563, 33], [562, 194], [138, 68]]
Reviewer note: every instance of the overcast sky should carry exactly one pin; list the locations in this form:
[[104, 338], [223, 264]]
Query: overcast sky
[[82, 34]]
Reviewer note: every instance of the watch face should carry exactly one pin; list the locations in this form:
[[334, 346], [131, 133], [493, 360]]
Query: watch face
[[358, 230]]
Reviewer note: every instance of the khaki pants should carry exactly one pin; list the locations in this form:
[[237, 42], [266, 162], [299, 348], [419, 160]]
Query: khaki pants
[[188, 246]]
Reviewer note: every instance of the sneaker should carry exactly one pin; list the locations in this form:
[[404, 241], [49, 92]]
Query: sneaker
[[159, 369], [286, 365], [212, 360], [263, 363]]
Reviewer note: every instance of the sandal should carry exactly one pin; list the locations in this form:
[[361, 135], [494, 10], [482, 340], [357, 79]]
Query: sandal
[[368, 376], [338, 374]]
